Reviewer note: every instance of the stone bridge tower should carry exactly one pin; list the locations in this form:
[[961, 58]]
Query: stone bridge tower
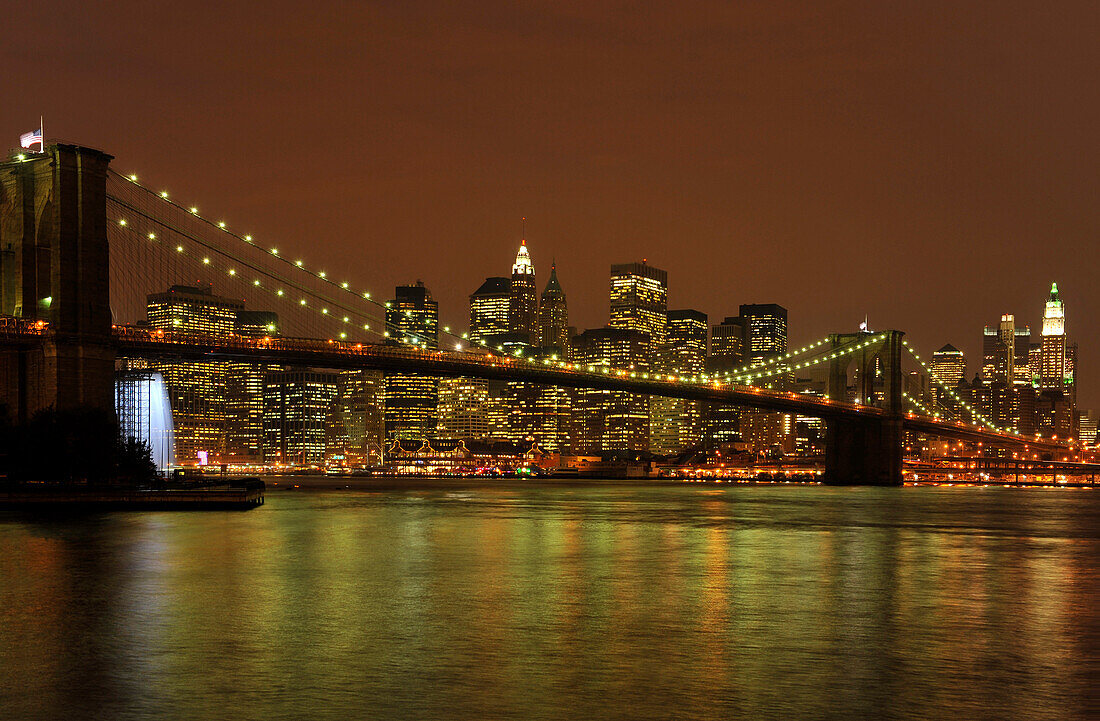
[[54, 267]]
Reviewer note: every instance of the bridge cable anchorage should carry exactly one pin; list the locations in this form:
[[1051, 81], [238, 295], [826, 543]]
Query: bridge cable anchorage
[[936, 379], [322, 276]]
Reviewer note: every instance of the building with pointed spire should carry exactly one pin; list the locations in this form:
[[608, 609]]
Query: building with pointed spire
[[553, 314], [523, 306], [1052, 353]]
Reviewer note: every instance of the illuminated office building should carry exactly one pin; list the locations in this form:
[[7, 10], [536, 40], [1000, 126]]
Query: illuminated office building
[[411, 400], [722, 421], [489, 309], [949, 365], [765, 337], [196, 389], [539, 414], [1052, 359], [675, 423], [244, 393], [639, 302], [360, 406], [463, 408], [611, 423], [298, 408], [553, 315], [523, 306]]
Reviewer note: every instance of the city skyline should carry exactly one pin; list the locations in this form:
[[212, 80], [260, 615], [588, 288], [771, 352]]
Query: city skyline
[[812, 179]]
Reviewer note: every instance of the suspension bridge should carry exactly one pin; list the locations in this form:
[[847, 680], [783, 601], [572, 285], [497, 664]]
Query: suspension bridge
[[84, 245]]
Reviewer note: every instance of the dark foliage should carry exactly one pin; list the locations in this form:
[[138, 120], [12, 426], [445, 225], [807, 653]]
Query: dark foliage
[[74, 446]]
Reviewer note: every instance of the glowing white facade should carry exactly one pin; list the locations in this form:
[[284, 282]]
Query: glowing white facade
[[144, 413]]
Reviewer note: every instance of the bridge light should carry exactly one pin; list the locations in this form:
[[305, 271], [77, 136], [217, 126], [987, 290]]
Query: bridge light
[[152, 236], [324, 311], [366, 295], [164, 194], [248, 238], [343, 335], [279, 292], [302, 301], [232, 272], [458, 346], [20, 157], [274, 251], [321, 274], [206, 261], [346, 319], [179, 248], [221, 224], [256, 282], [298, 263], [366, 326], [195, 211], [271, 327], [446, 329], [122, 221], [344, 286], [133, 178]]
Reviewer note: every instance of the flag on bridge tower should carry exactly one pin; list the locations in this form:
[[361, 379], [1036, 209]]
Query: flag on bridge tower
[[26, 140]]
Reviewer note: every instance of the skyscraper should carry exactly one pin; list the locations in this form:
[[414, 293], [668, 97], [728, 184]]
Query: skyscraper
[[196, 390], [489, 307], [244, 393], [676, 423], [765, 331], [612, 423], [553, 315], [298, 403], [463, 408], [1054, 371], [639, 302], [765, 337], [949, 366], [523, 307], [727, 341], [410, 400]]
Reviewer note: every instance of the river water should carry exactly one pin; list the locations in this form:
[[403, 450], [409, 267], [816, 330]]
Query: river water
[[581, 601]]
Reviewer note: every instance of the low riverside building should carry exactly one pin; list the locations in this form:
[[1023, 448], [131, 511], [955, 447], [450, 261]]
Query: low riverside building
[[446, 457]]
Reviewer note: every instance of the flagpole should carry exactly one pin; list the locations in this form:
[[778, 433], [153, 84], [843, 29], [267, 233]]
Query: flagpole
[[42, 129]]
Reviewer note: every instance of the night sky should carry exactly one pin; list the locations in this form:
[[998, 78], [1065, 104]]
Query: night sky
[[930, 164]]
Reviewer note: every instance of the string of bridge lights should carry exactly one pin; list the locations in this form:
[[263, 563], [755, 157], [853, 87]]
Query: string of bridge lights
[[279, 293], [920, 406], [321, 275], [973, 412]]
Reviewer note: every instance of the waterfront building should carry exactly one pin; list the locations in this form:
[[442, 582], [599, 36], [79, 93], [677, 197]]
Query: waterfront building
[[298, 408], [554, 315], [196, 389], [675, 423], [411, 400], [611, 423], [489, 309], [1021, 356], [523, 306]]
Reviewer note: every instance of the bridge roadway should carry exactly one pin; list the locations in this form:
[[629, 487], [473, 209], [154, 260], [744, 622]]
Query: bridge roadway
[[146, 343], [140, 342]]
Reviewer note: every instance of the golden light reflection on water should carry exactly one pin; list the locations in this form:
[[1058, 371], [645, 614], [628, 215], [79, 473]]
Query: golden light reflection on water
[[543, 602]]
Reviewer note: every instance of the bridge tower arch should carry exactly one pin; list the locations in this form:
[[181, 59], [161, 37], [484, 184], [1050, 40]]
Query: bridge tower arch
[[866, 451], [54, 267]]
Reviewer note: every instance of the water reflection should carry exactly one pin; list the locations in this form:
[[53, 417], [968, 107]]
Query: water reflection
[[560, 601]]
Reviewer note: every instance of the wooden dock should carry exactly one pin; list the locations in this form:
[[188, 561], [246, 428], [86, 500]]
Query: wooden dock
[[240, 496]]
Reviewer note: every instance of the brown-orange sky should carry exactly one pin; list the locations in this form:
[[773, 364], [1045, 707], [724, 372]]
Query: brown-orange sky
[[930, 164]]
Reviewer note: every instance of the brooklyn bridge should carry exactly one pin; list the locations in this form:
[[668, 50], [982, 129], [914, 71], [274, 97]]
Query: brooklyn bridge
[[84, 244]]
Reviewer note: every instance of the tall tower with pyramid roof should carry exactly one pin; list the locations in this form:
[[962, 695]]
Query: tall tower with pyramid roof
[[523, 304], [553, 314]]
